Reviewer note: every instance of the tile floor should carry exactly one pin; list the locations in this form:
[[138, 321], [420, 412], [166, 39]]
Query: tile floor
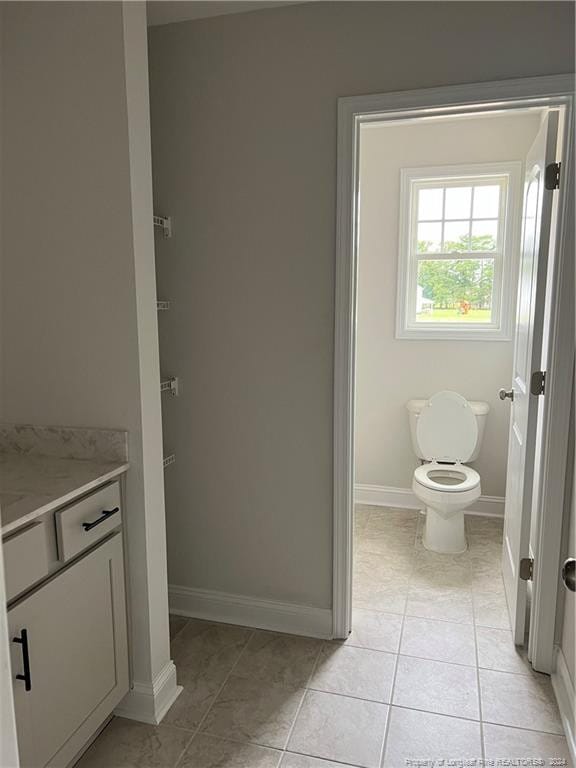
[[428, 673]]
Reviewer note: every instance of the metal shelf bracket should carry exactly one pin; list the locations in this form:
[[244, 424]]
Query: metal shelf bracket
[[170, 385], [165, 224]]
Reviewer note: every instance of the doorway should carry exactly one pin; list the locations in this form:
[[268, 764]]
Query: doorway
[[370, 114], [438, 255]]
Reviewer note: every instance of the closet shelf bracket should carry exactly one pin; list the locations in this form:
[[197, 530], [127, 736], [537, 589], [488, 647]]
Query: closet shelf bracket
[[165, 224], [170, 385]]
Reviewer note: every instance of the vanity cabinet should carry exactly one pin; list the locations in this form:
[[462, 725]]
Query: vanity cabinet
[[69, 655]]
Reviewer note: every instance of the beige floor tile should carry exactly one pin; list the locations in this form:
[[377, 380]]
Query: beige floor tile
[[204, 654], [210, 752], [496, 650], [398, 554], [361, 517], [444, 574], [207, 645], [198, 694], [514, 744], [376, 568], [177, 623], [440, 561], [340, 728], [254, 710], [440, 603], [519, 700], [383, 518], [388, 597], [420, 736], [292, 760], [435, 686], [379, 585], [485, 549], [439, 640], [486, 576], [287, 659], [128, 744], [490, 610], [488, 526], [374, 630], [354, 672], [399, 530]]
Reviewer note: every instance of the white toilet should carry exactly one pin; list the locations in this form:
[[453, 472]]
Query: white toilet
[[446, 431]]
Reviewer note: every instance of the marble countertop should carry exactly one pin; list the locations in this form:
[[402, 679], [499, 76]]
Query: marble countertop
[[33, 485], [45, 467]]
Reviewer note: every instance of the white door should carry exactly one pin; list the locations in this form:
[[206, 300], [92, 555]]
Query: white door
[[536, 222]]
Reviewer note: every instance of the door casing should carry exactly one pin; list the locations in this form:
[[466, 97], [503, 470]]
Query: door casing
[[553, 91]]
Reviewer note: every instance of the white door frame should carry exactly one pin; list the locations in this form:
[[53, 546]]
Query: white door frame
[[551, 91]]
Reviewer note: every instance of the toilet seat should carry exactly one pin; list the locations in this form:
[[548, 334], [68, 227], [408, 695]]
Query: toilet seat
[[447, 478]]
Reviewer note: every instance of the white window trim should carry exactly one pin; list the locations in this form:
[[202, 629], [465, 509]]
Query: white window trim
[[505, 268]]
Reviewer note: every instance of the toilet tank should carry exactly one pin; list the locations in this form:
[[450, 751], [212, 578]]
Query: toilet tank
[[479, 408]]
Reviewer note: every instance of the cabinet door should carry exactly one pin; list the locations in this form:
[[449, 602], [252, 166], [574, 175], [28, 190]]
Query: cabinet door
[[76, 636]]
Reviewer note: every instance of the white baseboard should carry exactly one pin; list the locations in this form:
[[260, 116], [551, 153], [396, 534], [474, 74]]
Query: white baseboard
[[404, 498], [255, 612], [149, 702], [566, 698]]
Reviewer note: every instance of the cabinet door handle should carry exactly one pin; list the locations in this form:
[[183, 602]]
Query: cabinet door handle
[[104, 516], [23, 641]]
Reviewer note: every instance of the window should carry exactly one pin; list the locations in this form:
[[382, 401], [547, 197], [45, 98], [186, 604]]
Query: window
[[458, 252]]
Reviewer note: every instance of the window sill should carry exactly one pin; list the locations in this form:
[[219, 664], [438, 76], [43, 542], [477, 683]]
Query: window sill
[[452, 334]]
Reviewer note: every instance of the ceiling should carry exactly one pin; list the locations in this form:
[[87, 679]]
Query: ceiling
[[171, 11]]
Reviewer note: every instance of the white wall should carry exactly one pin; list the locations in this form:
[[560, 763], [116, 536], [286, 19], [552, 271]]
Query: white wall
[[78, 286], [390, 371], [244, 159]]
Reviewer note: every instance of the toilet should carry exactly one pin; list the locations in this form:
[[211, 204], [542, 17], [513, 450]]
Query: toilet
[[446, 432]]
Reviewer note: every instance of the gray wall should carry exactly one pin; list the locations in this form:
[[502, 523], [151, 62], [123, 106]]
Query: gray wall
[[244, 157], [78, 283], [390, 371]]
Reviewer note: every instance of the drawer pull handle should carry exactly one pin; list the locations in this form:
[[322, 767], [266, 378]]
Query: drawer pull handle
[[104, 516], [23, 641]]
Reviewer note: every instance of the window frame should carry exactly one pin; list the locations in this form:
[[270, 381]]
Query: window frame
[[506, 254]]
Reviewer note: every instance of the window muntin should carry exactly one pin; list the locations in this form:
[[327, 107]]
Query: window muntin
[[456, 252], [459, 218]]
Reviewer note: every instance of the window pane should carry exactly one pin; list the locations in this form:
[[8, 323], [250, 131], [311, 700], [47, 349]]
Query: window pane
[[429, 237], [456, 236], [458, 202], [484, 235], [455, 291], [430, 204], [486, 202]]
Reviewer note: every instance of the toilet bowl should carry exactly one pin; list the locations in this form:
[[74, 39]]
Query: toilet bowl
[[446, 432], [446, 490]]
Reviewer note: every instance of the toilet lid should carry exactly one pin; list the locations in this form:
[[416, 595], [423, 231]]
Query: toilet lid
[[447, 429]]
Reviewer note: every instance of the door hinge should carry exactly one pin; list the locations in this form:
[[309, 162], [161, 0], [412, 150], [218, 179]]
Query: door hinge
[[552, 176], [526, 568], [538, 383]]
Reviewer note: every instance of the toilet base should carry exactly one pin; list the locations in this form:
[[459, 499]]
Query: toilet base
[[444, 535]]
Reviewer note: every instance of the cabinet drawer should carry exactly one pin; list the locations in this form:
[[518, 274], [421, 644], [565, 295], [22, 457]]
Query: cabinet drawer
[[82, 524], [25, 559]]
